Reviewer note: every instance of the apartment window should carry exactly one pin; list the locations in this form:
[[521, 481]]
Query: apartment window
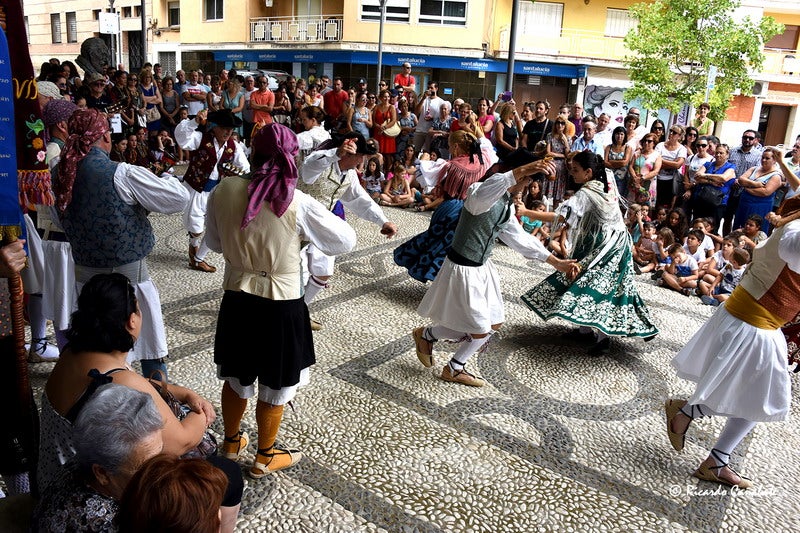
[[786, 40], [542, 19], [619, 22], [174, 13], [443, 12], [126, 12], [72, 27], [396, 10], [96, 14], [214, 9], [137, 12], [55, 27], [168, 62]]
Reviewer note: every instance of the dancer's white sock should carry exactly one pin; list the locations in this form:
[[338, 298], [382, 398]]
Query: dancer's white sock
[[313, 287]]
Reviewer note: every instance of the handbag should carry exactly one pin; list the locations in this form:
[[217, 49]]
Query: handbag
[[394, 131], [710, 195], [208, 444], [152, 114]]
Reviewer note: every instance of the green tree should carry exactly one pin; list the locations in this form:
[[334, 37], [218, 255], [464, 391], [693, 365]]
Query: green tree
[[675, 43]]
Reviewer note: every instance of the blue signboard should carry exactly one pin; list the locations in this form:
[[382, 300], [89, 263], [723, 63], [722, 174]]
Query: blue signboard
[[393, 59]]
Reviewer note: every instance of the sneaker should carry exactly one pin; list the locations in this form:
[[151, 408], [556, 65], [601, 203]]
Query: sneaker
[[232, 448], [708, 300], [461, 376], [316, 326], [657, 274], [42, 352]]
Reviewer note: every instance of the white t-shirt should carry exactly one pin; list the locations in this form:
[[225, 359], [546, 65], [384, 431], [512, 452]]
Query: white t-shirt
[[247, 113], [694, 163], [698, 256], [669, 155], [431, 107], [195, 106]]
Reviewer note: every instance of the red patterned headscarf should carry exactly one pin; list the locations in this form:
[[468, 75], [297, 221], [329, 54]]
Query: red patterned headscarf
[[275, 147], [86, 127]]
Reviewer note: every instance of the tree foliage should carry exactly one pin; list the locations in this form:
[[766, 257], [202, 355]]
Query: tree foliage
[[675, 43]]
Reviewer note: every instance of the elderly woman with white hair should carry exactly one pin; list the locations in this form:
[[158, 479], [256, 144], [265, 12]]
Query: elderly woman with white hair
[[104, 328], [440, 130], [118, 429]]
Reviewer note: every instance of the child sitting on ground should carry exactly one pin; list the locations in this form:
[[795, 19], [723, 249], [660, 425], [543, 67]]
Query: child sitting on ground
[[373, 179], [692, 245], [752, 234], [711, 241], [711, 266], [681, 274], [397, 191], [532, 225], [645, 250], [636, 219], [664, 239], [727, 279]]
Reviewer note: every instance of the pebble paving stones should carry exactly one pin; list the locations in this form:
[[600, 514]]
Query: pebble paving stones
[[556, 441]]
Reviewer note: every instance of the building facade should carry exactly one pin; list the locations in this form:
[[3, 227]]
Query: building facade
[[564, 51]]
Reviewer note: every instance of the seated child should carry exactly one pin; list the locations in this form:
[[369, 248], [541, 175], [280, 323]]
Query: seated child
[[711, 266], [752, 234], [664, 239], [373, 179], [692, 245], [728, 278], [645, 250], [397, 191], [711, 241], [681, 274], [532, 225], [635, 221]]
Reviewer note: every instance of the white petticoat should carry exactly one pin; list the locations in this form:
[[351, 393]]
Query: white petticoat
[[33, 275], [464, 298], [59, 297], [741, 371]]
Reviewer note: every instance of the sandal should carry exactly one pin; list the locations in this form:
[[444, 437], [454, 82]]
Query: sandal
[[233, 447], [421, 341], [706, 473], [261, 469], [672, 408]]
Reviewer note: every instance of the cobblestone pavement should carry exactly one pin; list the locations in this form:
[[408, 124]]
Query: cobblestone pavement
[[557, 440]]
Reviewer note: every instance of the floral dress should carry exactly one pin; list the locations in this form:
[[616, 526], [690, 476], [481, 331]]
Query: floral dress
[[603, 296], [555, 189]]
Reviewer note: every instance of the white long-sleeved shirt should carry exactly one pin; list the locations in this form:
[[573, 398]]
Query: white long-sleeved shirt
[[159, 194], [189, 138], [314, 223], [355, 198], [482, 196]]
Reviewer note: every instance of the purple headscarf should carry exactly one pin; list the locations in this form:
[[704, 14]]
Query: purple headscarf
[[275, 180], [86, 126]]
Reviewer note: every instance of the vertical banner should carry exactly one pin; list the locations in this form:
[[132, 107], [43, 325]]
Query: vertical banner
[[10, 215]]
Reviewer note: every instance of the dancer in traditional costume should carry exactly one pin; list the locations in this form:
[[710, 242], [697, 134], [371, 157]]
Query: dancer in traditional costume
[[103, 207], [464, 301], [209, 151], [258, 223], [738, 359], [424, 254], [329, 176], [603, 299]]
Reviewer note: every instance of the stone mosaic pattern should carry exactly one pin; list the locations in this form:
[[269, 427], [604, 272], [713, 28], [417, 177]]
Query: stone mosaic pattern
[[557, 440]]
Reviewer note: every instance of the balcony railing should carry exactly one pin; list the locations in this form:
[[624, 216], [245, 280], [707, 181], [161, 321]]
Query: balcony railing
[[569, 42], [781, 62], [308, 29]]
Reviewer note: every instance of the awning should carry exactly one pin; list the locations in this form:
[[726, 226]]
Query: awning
[[394, 59]]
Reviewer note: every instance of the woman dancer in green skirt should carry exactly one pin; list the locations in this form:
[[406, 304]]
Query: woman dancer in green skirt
[[602, 300]]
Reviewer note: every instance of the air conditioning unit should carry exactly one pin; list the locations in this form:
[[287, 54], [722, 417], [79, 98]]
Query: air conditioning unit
[[268, 3], [760, 89]]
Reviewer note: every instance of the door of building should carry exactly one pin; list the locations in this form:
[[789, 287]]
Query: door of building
[[772, 123]]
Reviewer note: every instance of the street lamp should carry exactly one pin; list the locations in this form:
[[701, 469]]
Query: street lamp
[[380, 46]]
